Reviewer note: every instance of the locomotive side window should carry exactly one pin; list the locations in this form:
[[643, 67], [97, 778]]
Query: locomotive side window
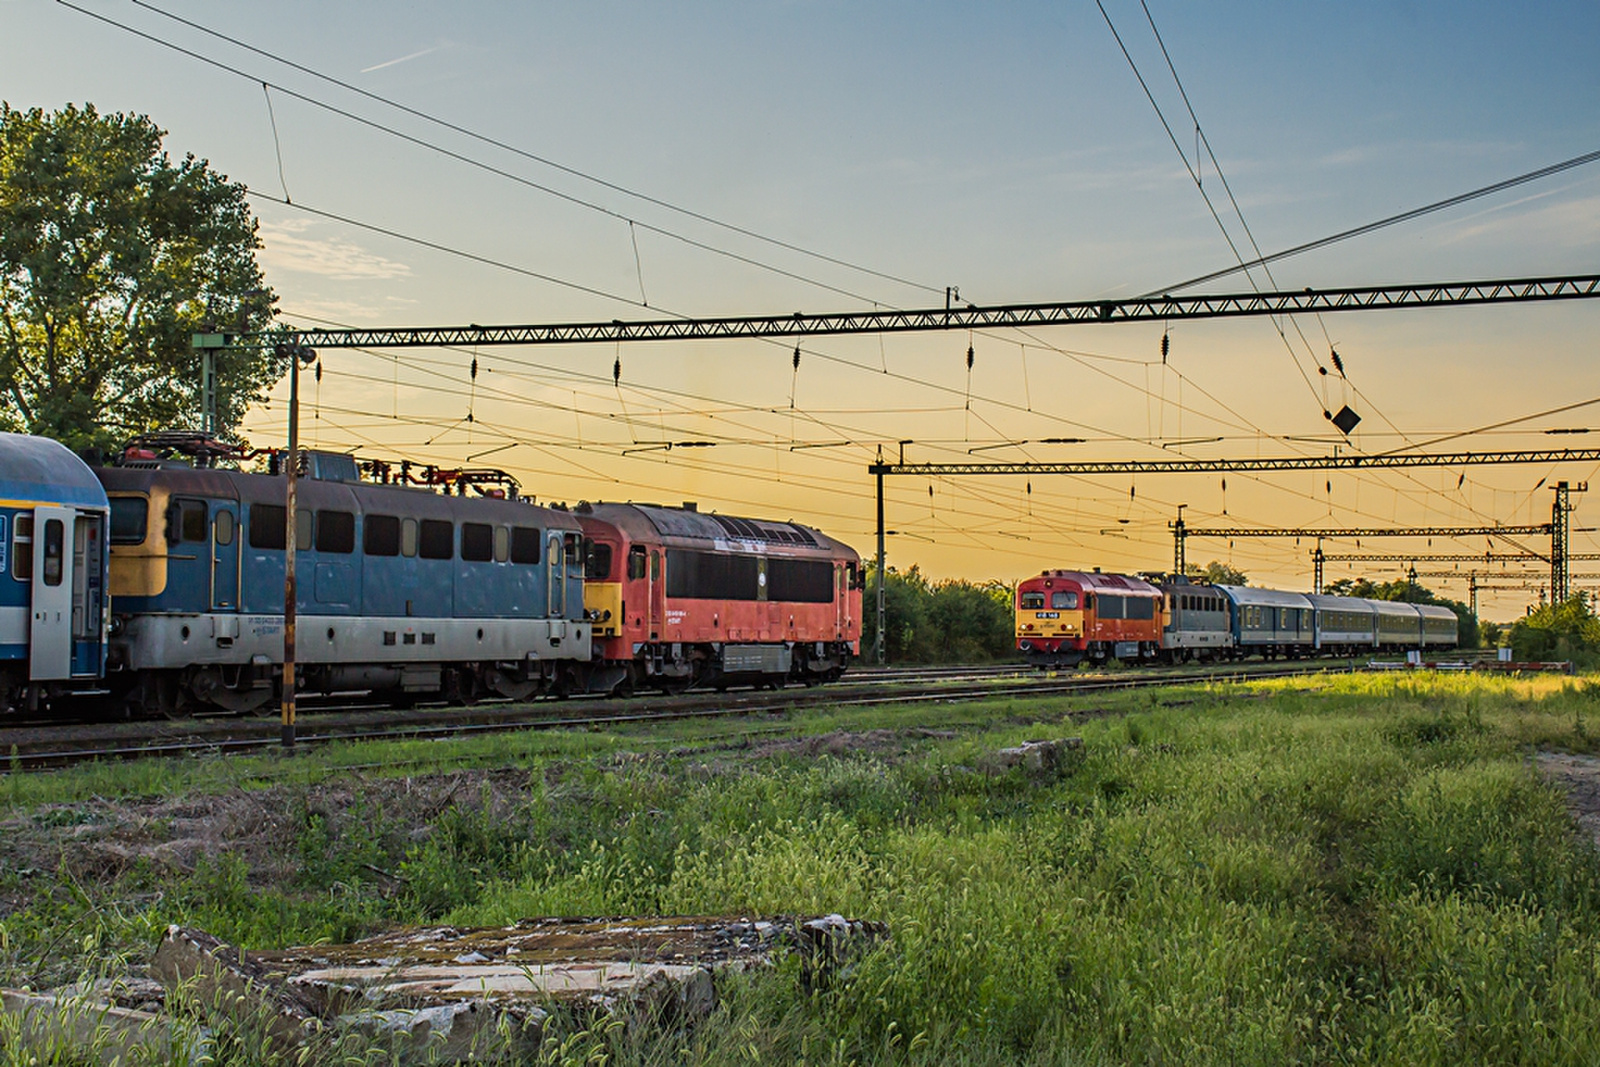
[[55, 535], [802, 581], [572, 546], [224, 528], [381, 535], [597, 567], [267, 526], [1032, 601], [130, 519], [854, 571], [524, 544], [477, 542], [22, 548], [302, 530], [1088, 601], [502, 543], [1140, 607], [408, 538], [437, 540], [712, 576], [636, 562], [1060, 600], [336, 531]]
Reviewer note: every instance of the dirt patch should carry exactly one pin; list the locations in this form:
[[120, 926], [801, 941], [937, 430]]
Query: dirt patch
[[840, 744], [96, 840], [1579, 776]]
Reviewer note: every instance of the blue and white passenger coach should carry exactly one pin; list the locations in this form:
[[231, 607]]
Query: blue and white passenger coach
[[53, 614], [401, 590]]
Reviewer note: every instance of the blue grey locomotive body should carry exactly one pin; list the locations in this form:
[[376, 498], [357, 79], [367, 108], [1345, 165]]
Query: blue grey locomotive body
[[400, 590], [53, 573]]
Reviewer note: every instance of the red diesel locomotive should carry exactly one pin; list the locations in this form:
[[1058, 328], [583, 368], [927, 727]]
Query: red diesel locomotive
[[1065, 617], [679, 598]]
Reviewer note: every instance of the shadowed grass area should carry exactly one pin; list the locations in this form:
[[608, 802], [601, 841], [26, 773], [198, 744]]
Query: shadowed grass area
[[1346, 870]]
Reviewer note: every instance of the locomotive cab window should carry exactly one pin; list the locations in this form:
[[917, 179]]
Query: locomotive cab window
[[572, 547], [1063, 600], [22, 547], [597, 564], [408, 538], [381, 535], [477, 542], [186, 521], [502, 543], [636, 563], [856, 575], [1032, 601], [223, 524], [130, 519]]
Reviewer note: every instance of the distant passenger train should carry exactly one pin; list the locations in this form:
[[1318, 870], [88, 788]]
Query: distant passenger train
[[1067, 617]]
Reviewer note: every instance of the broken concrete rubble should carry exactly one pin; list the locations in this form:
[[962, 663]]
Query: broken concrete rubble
[[444, 994], [1038, 758], [74, 1024]]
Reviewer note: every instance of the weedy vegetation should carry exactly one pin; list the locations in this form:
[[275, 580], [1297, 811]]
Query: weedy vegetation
[[1350, 869]]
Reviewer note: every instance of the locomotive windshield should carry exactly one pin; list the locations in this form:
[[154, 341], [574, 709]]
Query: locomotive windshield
[[1062, 599], [130, 519], [1032, 601]]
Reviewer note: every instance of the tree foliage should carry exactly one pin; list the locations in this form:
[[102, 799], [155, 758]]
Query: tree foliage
[[1565, 631], [952, 621], [111, 257], [1218, 573]]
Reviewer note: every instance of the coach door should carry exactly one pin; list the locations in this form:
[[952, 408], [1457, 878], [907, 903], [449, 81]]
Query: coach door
[[555, 578], [225, 557], [50, 633]]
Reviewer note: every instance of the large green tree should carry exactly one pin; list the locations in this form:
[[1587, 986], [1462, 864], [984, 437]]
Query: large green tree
[[111, 257]]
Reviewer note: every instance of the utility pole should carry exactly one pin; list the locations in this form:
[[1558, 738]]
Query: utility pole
[[1560, 529], [296, 353], [1317, 560], [878, 649], [1179, 563]]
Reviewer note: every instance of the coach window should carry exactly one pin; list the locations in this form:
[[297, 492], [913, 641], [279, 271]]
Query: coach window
[[502, 543], [524, 544], [267, 526], [336, 532], [1063, 600], [380, 535], [477, 542], [635, 563], [22, 548], [408, 538], [437, 539], [302, 530], [55, 534]]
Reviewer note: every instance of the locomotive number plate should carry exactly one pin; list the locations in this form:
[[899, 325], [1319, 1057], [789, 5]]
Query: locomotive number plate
[[1049, 614]]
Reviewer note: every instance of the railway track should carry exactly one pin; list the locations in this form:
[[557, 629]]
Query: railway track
[[33, 749]]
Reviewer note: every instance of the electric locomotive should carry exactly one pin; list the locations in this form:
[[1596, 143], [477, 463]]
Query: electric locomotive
[[679, 598], [400, 589], [53, 603]]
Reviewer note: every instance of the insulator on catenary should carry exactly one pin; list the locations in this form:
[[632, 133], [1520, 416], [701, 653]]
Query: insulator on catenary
[[969, 357], [1337, 362], [616, 371], [1166, 346], [796, 357], [319, 372], [473, 371]]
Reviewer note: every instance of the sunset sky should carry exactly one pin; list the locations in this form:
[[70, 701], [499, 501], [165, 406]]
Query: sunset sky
[[766, 157]]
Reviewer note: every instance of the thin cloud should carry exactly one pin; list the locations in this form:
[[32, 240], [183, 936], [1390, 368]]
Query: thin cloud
[[287, 247], [402, 59]]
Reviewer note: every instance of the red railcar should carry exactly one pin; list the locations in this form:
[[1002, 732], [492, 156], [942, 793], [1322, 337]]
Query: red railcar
[[681, 598], [1065, 617]]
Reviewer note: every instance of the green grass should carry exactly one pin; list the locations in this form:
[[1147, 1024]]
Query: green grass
[[1346, 870]]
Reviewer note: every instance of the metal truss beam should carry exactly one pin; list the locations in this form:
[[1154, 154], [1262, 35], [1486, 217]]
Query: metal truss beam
[[1376, 531], [798, 324], [1278, 463]]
